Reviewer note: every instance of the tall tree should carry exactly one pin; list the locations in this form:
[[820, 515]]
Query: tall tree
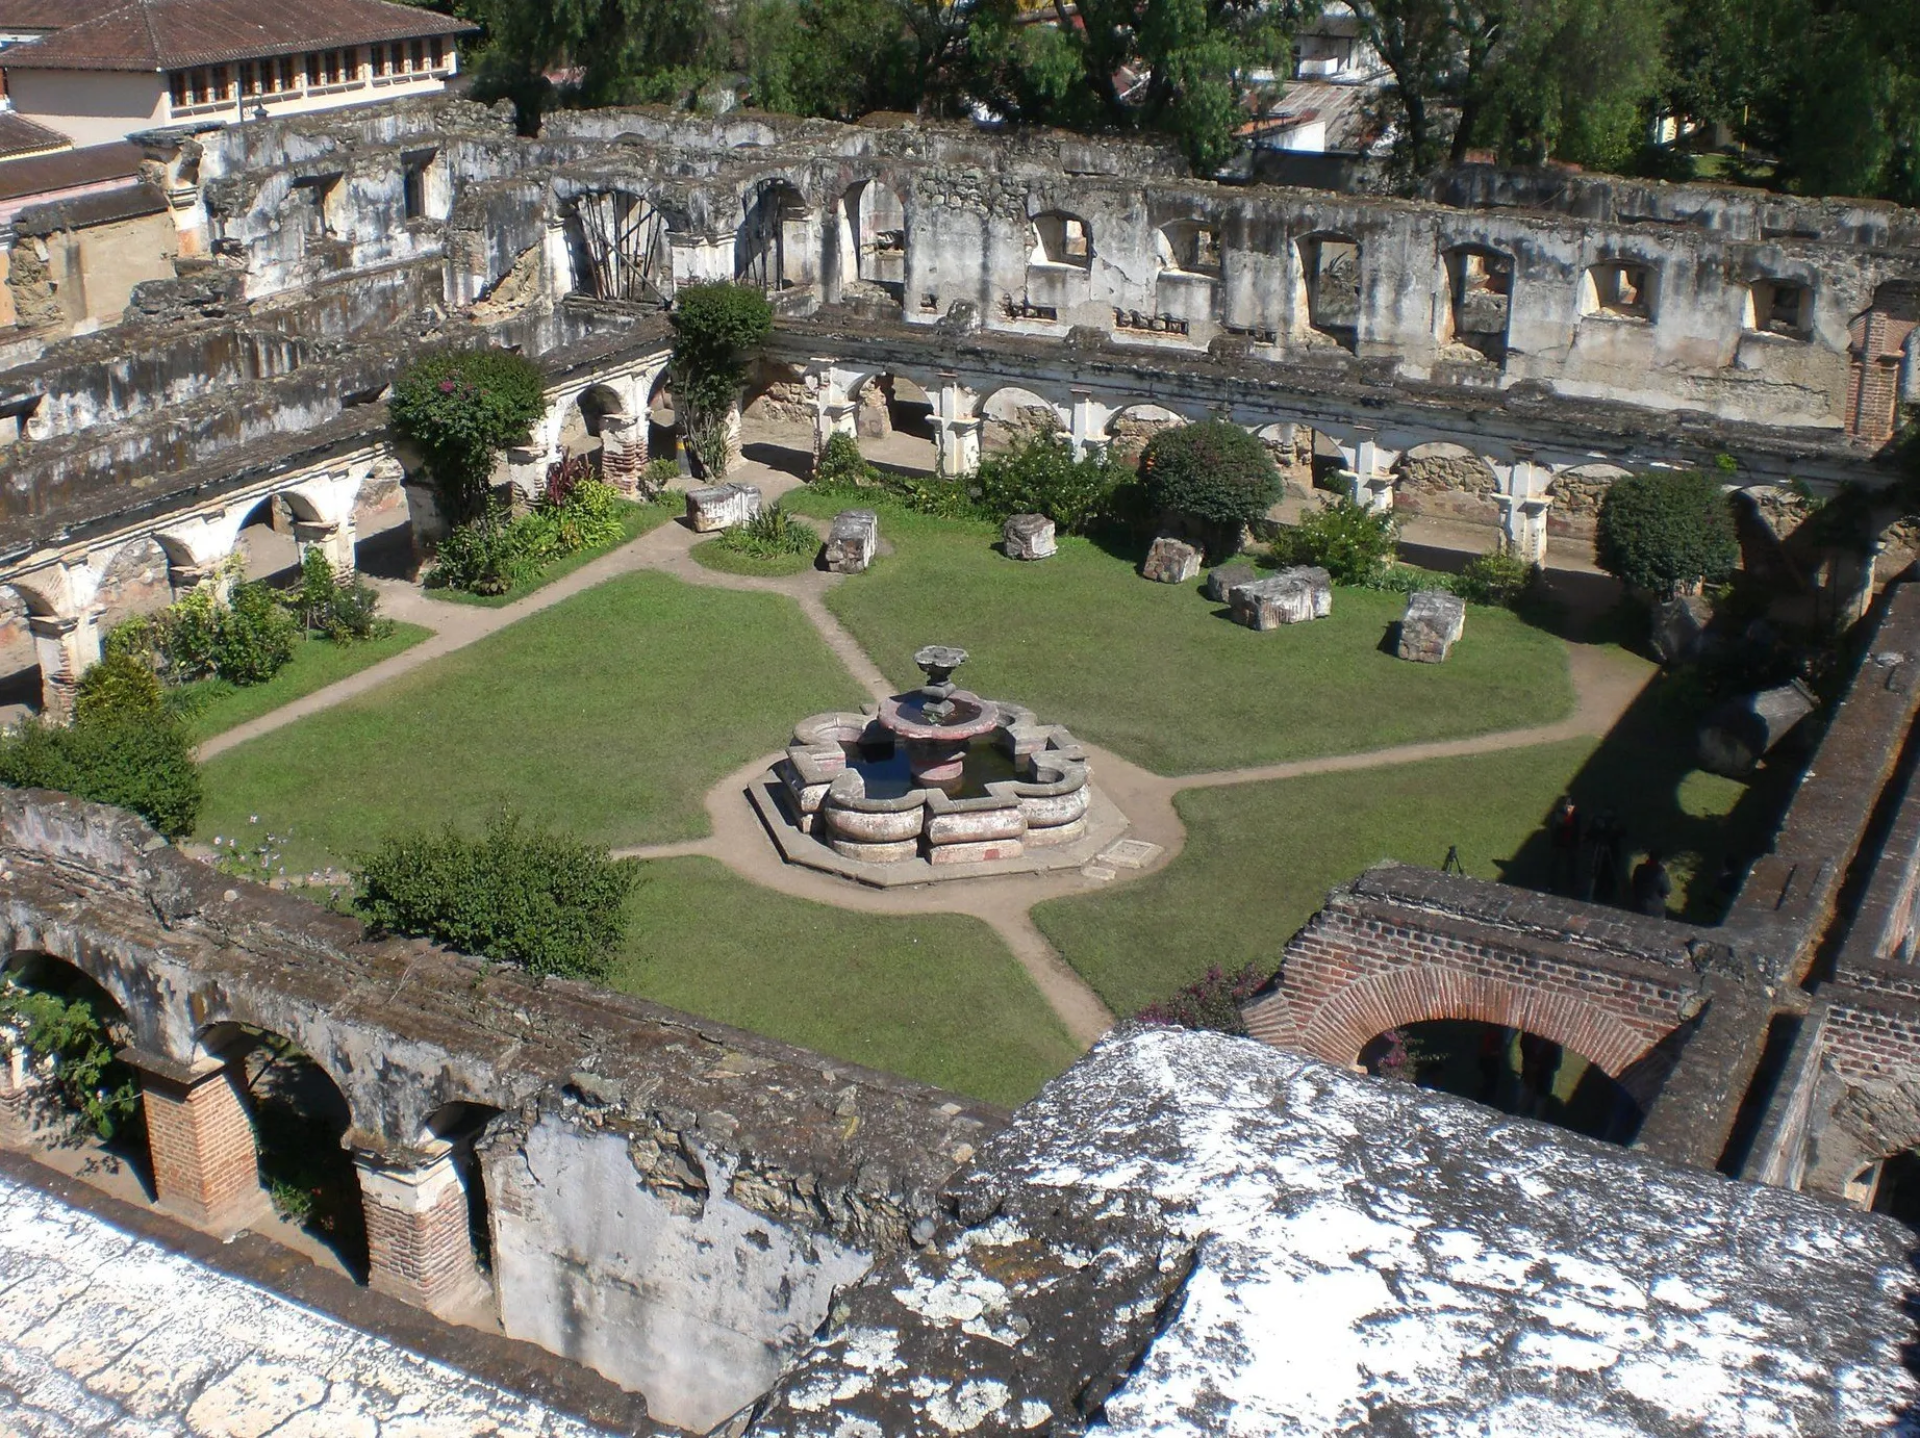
[[625, 51], [1182, 67]]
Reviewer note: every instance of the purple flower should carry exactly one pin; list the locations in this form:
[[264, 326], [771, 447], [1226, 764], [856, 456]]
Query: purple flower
[[446, 386]]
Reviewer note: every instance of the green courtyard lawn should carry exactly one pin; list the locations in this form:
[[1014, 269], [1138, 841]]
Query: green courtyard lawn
[[635, 520], [609, 715], [214, 706], [935, 997], [1260, 858], [1153, 671]]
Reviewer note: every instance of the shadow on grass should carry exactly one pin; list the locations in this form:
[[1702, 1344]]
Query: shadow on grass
[[1641, 773]]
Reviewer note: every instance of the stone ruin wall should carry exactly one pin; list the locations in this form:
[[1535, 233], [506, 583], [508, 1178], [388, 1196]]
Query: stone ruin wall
[[670, 1201]]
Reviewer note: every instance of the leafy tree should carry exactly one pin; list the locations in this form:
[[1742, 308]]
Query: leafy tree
[[1348, 540], [256, 636], [627, 52], [120, 686], [1213, 475], [520, 896], [1667, 533], [462, 407], [840, 59], [1192, 60], [716, 328]]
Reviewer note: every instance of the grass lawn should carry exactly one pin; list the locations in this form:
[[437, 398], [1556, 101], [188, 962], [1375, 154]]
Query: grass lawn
[[935, 997], [1154, 671], [216, 706], [1260, 857], [635, 520], [610, 715], [714, 554]]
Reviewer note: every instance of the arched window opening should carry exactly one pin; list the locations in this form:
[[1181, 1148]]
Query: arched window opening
[[772, 249], [1619, 289], [1780, 307], [1510, 1070], [59, 1034], [265, 544], [620, 248], [1060, 238], [20, 682], [878, 228], [1330, 271], [1480, 301]]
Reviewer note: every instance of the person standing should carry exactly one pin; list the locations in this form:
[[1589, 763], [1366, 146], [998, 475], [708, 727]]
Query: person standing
[[1651, 887]]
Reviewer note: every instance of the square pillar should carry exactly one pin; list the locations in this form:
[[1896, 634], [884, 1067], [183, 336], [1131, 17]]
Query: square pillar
[[66, 646], [205, 1168], [623, 452], [959, 447], [335, 541], [418, 1248]]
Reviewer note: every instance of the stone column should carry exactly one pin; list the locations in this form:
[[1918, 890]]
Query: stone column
[[1089, 433], [205, 1169], [1372, 469], [20, 1088], [623, 451], [527, 466], [1523, 526], [335, 541], [418, 1249], [67, 645]]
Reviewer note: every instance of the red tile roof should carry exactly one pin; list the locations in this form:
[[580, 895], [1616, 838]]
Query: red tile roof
[[21, 136], [152, 35], [70, 169]]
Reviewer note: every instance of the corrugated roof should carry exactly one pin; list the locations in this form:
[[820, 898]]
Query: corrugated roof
[[153, 35], [21, 136]]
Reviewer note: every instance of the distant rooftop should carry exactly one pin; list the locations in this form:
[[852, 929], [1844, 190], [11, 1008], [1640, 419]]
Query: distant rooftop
[[21, 136], [155, 35]]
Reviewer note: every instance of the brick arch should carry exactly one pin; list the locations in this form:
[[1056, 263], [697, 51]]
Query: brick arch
[[145, 1002], [1342, 1026]]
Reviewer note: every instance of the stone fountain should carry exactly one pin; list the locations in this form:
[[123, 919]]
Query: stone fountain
[[932, 784]]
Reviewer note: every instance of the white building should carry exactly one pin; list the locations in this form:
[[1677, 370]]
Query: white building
[[105, 71]]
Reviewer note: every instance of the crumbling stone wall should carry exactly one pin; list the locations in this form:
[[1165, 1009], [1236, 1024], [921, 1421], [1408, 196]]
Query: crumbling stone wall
[[1447, 483], [673, 1201]]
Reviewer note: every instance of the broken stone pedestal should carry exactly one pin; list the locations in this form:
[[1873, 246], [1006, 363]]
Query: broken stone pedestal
[[1171, 561], [1029, 536], [1223, 581], [721, 506], [1679, 626], [1741, 732], [852, 541], [1434, 619], [1293, 596]]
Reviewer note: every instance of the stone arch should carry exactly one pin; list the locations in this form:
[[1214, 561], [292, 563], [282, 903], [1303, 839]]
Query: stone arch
[[263, 538], [133, 581], [1010, 413], [581, 417], [896, 427], [1447, 480], [302, 1112], [1345, 1023], [1577, 491], [1327, 291], [1129, 428], [142, 1000], [662, 420], [618, 243]]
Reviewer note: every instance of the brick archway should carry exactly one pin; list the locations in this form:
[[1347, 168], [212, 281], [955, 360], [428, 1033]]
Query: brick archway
[[1342, 1026]]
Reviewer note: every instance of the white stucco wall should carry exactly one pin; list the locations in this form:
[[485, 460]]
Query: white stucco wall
[[90, 107]]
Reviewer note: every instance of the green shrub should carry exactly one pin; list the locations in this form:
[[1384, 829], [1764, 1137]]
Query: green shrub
[[1210, 1002], [1213, 476], [120, 686], [1493, 579], [1351, 542], [462, 407], [587, 516], [658, 475], [842, 466], [142, 762], [770, 534], [1667, 533], [254, 636], [99, 1091], [186, 636], [487, 555], [519, 896], [1041, 476]]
